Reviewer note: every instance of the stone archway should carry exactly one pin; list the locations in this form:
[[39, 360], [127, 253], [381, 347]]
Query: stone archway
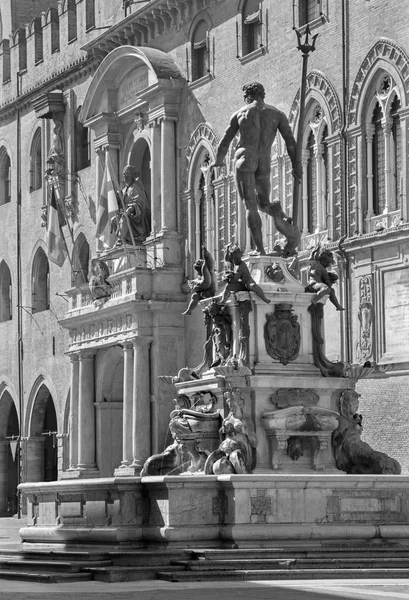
[[109, 410], [133, 105], [42, 447], [9, 455]]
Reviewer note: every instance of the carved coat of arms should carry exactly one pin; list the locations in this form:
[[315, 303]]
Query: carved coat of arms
[[282, 334]]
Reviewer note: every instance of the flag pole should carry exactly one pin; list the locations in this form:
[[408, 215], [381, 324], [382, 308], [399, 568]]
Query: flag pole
[[123, 206], [109, 165], [61, 206]]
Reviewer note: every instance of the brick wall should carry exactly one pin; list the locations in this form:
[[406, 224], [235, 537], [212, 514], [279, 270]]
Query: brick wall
[[384, 405]]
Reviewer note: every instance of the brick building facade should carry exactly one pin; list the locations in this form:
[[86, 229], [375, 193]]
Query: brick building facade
[[154, 84]]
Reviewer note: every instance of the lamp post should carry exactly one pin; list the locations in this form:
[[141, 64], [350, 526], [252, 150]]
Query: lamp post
[[305, 48]]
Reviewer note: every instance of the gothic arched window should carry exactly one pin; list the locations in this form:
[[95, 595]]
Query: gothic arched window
[[251, 27], [40, 282], [378, 161], [82, 144], [5, 293], [200, 50], [36, 171], [80, 261], [5, 177]]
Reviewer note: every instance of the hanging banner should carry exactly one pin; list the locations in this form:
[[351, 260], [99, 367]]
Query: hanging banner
[[13, 448]]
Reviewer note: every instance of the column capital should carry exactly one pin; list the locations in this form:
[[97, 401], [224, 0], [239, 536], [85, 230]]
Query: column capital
[[305, 157], [319, 150], [198, 195], [73, 356], [142, 341], [369, 131], [167, 119], [86, 354], [128, 345], [387, 123]]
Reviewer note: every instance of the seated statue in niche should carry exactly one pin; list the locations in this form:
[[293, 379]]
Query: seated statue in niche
[[132, 224], [352, 455], [320, 280], [235, 453], [204, 286], [238, 275]]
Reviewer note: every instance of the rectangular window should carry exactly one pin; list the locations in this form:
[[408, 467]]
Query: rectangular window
[[308, 11]]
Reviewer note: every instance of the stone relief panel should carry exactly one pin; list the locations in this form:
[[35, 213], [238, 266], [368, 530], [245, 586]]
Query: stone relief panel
[[364, 346], [395, 291]]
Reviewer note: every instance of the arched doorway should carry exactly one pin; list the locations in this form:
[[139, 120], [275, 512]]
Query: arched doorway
[[42, 450], [9, 455], [109, 410]]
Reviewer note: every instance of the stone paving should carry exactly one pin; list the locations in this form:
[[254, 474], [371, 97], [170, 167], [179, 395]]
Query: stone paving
[[371, 589]]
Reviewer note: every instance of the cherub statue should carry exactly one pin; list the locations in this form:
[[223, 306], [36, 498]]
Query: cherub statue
[[204, 286], [320, 280], [99, 287], [238, 275]]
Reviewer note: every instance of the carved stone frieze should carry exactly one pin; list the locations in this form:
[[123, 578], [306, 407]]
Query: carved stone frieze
[[282, 334], [100, 330]]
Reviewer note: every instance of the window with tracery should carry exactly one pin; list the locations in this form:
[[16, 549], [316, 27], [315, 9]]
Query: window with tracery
[[378, 161]]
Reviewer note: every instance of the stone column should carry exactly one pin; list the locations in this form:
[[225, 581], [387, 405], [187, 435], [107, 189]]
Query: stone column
[[99, 174], [402, 201], [198, 201], [141, 418], [304, 162], [359, 179], [387, 128], [4, 446], [370, 131], [319, 151], [156, 176], [168, 174], [127, 406], [73, 418], [86, 413]]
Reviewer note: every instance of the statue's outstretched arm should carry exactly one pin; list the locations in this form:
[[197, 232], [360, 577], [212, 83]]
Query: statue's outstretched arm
[[226, 141]]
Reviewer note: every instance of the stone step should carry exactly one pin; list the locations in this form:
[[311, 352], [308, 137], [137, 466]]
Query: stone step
[[293, 563], [50, 565], [51, 555], [282, 574], [117, 574], [140, 558], [45, 576], [292, 553]]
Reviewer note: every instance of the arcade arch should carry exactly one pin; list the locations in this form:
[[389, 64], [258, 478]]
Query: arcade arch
[[42, 451], [9, 459]]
